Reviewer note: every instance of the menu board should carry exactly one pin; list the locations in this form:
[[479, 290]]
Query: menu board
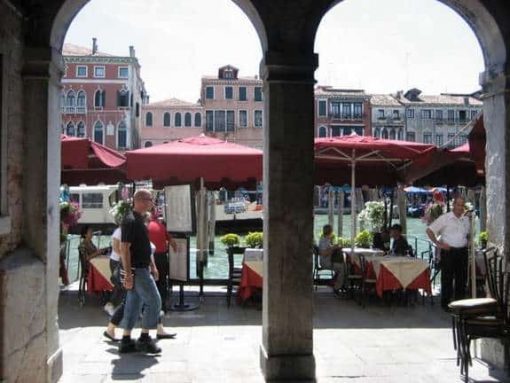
[[179, 209], [179, 260]]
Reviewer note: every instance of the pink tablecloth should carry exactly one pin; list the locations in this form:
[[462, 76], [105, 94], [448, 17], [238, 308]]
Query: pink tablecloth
[[251, 280], [98, 279]]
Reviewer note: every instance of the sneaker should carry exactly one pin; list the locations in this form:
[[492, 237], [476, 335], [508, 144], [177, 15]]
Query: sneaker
[[147, 345], [127, 346], [109, 309]]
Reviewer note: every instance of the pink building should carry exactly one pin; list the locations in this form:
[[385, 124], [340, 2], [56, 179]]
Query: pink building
[[169, 120], [102, 96], [340, 112], [233, 107]]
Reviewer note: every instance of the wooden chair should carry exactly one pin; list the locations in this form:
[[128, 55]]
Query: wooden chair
[[234, 273], [84, 270], [354, 279], [482, 317], [319, 270], [367, 284]]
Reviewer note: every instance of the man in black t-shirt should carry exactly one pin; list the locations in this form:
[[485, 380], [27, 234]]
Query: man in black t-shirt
[[139, 283]]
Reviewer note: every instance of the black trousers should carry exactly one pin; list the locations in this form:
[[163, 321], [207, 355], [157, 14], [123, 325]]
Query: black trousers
[[454, 263], [163, 266]]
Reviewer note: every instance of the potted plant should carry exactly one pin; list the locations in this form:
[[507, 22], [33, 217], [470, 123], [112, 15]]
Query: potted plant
[[363, 239], [254, 239], [230, 240], [372, 216], [483, 238]]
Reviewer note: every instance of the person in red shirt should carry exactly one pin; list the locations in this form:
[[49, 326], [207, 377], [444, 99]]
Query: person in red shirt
[[161, 239]]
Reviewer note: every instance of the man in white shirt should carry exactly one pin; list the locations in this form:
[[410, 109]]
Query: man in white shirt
[[450, 233]]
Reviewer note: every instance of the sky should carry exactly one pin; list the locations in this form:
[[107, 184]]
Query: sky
[[378, 45]]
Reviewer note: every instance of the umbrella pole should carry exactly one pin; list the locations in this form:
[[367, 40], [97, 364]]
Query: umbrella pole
[[392, 197], [340, 213], [354, 212], [472, 255]]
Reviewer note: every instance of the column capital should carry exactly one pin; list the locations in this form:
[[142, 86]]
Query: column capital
[[289, 67], [493, 81], [42, 64]]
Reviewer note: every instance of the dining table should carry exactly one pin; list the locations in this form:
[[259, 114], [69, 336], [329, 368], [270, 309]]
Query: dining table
[[251, 274], [393, 272], [98, 278]]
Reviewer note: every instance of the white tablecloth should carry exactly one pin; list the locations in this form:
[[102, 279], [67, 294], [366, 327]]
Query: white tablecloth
[[253, 255]]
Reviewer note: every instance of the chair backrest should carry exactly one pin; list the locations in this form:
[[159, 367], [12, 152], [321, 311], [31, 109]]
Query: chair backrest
[[230, 254], [498, 279], [315, 251], [83, 261]]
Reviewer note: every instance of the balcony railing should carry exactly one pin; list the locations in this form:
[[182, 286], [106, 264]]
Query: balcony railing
[[350, 117]]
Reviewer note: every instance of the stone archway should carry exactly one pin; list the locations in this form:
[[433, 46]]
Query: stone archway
[[31, 66]]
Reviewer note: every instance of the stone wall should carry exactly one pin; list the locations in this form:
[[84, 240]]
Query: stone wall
[[11, 50]]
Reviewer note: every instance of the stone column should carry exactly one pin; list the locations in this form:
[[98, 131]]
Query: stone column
[[287, 318], [41, 82], [497, 123]]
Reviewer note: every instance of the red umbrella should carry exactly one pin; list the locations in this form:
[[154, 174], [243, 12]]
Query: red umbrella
[[86, 161], [379, 160], [218, 162], [464, 165]]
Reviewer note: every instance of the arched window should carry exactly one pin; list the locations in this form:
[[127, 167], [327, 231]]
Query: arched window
[[377, 132], [122, 135], [80, 131], [166, 119], [70, 129], [384, 134], [98, 132], [323, 131], [100, 98], [177, 120], [70, 101], [198, 120], [187, 119], [81, 102], [392, 134], [63, 102], [400, 135], [148, 119], [148, 144]]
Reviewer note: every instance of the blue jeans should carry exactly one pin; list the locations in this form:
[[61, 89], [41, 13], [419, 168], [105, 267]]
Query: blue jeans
[[143, 294]]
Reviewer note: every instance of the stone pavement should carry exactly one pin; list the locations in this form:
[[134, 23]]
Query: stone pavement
[[377, 344]]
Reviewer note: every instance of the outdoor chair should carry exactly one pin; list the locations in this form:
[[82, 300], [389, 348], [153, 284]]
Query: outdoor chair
[[319, 270], [84, 269], [234, 273], [354, 279], [482, 317], [367, 284]]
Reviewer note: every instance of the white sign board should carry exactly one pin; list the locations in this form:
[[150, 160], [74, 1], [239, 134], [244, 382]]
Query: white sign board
[[179, 209], [179, 260]]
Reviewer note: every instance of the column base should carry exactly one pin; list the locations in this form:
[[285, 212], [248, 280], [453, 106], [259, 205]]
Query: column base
[[497, 354], [288, 367], [55, 366]]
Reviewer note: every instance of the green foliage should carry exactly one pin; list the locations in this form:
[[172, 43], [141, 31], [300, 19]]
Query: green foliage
[[483, 238], [230, 239], [254, 239], [119, 210], [363, 239], [344, 242], [372, 216]]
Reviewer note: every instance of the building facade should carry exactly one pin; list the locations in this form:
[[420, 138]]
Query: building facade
[[388, 117], [340, 112], [170, 119], [102, 96], [438, 119], [233, 107]]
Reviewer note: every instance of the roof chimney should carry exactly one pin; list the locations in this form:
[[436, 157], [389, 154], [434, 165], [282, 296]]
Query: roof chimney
[[132, 51], [94, 45]]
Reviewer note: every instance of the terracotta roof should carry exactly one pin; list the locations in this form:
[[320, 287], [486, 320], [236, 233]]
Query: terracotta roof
[[330, 91], [209, 77], [444, 99], [171, 102], [76, 50], [384, 100]]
